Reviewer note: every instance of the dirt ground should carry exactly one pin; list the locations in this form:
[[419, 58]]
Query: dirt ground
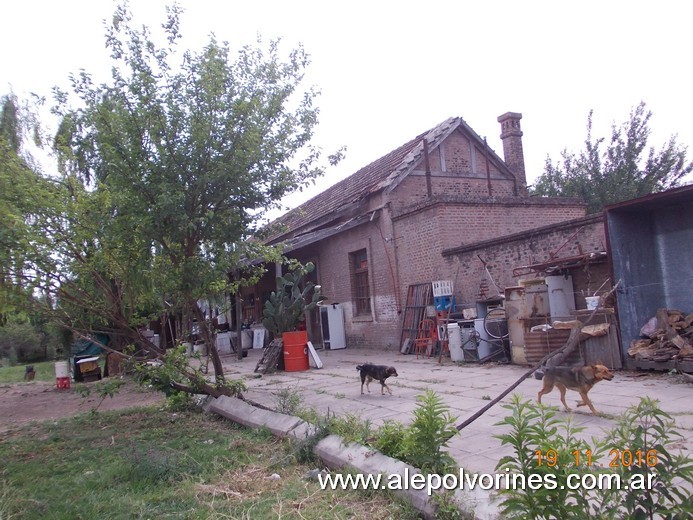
[[22, 403]]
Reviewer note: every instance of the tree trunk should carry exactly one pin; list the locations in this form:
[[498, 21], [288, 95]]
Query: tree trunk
[[209, 339], [239, 324]]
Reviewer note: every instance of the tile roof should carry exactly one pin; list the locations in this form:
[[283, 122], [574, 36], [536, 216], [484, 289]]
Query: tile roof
[[383, 173]]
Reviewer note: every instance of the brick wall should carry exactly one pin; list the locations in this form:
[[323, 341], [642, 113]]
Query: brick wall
[[408, 249], [380, 329], [573, 238]]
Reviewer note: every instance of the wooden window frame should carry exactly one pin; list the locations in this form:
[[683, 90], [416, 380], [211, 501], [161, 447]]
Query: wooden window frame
[[360, 282]]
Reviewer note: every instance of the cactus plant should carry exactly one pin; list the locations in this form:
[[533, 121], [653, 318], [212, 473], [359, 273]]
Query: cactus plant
[[285, 309]]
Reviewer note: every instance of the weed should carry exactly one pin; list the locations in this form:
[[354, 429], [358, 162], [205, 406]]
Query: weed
[[538, 432], [350, 428], [448, 508], [485, 397], [546, 445], [303, 448], [310, 415], [389, 439], [288, 401], [151, 464], [422, 443], [648, 433], [429, 433]]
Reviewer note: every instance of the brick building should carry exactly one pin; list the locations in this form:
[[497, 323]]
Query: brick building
[[432, 209]]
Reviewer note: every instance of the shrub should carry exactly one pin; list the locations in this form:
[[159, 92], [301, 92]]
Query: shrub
[[639, 445], [422, 443], [543, 444], [649, 435]]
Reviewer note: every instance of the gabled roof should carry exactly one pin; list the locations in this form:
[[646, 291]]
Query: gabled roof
[[382, 174]]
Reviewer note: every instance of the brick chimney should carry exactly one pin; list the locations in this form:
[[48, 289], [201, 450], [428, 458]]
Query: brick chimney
[[511, 135]]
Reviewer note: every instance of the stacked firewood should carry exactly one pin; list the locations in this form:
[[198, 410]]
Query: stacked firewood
[[667, 336]]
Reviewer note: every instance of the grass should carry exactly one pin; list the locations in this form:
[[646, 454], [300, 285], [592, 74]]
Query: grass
[[45, 371], [152, 463]]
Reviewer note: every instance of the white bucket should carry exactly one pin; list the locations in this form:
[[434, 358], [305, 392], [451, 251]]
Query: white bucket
[[61, 369], [592, 302], [455, 342]]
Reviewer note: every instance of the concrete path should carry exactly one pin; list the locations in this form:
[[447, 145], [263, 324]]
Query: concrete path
[[465, 388]]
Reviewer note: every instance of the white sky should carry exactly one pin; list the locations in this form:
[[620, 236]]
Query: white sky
[[389, 70]]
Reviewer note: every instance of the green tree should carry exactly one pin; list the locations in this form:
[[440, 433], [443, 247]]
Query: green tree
[[19, 185], [621, 169], [166, 172]]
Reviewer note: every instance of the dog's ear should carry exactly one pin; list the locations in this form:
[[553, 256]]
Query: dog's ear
[[588, 372]]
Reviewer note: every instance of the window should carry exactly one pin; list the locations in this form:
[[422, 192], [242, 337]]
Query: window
[[360, 288]]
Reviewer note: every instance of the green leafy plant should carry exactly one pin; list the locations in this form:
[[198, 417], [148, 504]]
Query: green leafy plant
[[389, 439], [422, 443], [638, 448], [164, 374], [647, 435], [180, 402], [285, 309], [351, 428], [288, 401], [546, 445]]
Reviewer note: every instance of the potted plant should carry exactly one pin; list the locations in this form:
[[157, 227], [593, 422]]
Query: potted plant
[[285, 310]]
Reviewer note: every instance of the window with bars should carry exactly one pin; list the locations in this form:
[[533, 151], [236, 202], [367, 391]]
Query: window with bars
[[360, 288]]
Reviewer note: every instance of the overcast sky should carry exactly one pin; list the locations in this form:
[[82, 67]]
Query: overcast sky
[[389, 70]]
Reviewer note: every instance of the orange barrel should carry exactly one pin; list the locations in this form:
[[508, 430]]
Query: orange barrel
[[295, 351]]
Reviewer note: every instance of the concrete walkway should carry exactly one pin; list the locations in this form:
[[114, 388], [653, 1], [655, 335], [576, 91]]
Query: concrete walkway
[[465, 388]]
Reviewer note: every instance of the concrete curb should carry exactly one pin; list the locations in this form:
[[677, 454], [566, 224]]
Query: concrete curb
[[336, 454], [240, 412]]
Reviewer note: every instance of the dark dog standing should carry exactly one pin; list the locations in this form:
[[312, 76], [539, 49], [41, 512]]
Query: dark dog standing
[[376, 373]]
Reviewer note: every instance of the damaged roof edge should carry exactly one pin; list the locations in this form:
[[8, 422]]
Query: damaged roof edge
[[311, 237]]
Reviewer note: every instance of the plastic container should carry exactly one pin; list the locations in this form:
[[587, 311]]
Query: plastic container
[[592, 302], [455, 342], [296, 351], [62, 374], [442, 288], [61, 369], [445, 303]]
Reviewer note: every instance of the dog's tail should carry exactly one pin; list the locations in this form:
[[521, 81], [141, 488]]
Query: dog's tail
[[358, 367], [539, 374]]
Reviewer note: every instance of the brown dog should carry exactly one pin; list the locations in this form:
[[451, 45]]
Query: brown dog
[[580, 379], [378, 373], [29, 373]]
